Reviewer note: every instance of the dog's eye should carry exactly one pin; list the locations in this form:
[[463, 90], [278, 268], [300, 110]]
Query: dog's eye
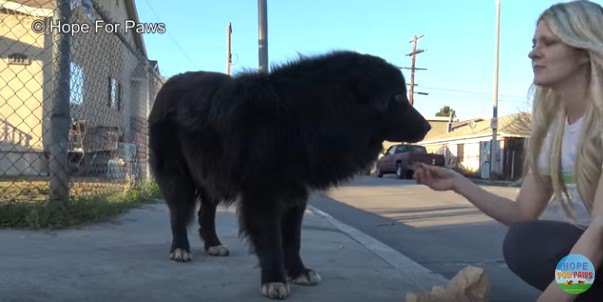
[[391, 101], [400, 99]]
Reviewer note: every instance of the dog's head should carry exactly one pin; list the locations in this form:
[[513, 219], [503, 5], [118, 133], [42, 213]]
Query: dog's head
[[402, 122], [361, 93], [379, 91]]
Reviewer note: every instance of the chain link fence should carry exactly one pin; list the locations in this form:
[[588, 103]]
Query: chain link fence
[[73, 105]]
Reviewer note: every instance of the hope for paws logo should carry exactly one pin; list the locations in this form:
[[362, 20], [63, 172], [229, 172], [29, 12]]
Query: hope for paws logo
[[575, 274]]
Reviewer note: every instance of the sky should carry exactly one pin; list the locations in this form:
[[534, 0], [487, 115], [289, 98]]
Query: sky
[[458, 38]]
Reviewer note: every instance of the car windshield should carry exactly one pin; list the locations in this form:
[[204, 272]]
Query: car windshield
[[403, 148], [418, 149]]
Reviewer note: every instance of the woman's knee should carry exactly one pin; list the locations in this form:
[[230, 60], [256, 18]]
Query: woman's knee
[[523, 255], [517, 241], [532, 249]]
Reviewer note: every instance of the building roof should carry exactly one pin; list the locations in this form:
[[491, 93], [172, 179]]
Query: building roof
[[155, 65], [138, 39], [439, 126], [513, 125]]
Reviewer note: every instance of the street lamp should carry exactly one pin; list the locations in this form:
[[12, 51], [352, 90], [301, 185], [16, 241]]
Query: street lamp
[[494, 123]]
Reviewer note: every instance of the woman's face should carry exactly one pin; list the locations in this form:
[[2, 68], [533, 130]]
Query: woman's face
[[555, 63]]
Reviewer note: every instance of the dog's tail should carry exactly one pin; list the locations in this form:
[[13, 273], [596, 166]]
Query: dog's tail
[[182, 104], [162, 128]]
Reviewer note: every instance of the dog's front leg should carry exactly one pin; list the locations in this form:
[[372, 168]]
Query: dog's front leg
[[297, 273], [260, 221]]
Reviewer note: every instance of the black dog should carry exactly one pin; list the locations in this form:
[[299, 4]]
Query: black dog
[[265, 141]]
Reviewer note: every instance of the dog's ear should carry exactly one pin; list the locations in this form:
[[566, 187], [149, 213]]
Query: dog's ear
[[375, 82]]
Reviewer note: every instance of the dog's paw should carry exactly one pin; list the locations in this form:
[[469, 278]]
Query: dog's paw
[[275, 290], [181, 255], [308, 277], [218, 250]]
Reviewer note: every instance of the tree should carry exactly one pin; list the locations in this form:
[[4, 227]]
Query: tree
[[446, 111]]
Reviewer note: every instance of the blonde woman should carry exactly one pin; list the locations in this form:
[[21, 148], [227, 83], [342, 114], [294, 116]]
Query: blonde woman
[[564, 155]]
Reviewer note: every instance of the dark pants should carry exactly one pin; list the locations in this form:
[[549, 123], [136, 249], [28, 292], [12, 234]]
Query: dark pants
[[532, 250]]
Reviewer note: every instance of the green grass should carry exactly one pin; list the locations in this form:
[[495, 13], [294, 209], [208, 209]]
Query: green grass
[[79, 210], [575, 288], [37, 189]]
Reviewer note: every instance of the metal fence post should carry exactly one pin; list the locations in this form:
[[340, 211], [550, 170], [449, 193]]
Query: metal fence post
[[60, 113]]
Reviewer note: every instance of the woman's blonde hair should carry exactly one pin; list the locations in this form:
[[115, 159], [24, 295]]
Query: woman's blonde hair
[[578, 24]]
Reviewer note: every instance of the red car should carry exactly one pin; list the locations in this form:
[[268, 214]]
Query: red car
[[400, 159]]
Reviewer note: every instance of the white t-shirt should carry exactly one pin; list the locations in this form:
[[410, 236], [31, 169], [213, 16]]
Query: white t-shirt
[[571, 140]]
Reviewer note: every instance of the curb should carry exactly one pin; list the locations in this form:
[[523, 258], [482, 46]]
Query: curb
[[509, 184], [421, 277]]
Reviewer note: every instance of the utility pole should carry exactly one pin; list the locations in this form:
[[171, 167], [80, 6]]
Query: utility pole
[[413, 55], [263, 35], [229, 54], [494, 122]]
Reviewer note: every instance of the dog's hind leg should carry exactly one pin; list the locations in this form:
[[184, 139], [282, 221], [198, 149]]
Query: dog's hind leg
[[207, 225], [292, 226], [260, 218], [179, 193]]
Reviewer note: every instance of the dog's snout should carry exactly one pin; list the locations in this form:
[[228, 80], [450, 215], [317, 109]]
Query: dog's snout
[[427, 127]]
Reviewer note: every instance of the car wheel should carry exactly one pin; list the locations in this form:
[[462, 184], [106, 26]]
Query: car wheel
[[379, 173], [408, 174], [399, 171]]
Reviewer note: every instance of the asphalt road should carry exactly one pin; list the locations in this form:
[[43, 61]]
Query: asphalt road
[[439, 230]]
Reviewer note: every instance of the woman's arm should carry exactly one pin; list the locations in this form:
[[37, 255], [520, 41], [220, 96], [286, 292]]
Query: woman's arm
[[590, 245], [529, 204]]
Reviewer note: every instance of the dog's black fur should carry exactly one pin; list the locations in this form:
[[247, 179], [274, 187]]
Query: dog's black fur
[[266, 140]]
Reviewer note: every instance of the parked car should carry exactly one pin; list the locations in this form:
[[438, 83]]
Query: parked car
[[401, 159]]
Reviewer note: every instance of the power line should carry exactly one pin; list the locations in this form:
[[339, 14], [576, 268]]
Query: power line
[[474, 92], [171, 37], [476, 98]]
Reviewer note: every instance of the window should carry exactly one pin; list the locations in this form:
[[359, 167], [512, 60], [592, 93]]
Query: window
[[87, 7], [76, 85], [460, 152], [75, 3], [114, 94], [18, 59]]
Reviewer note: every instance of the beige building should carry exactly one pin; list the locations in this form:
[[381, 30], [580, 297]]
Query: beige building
[[466, 144], [111, 84]]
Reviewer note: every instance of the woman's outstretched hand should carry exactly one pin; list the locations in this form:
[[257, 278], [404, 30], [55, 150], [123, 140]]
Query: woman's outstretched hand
[[436, 178]]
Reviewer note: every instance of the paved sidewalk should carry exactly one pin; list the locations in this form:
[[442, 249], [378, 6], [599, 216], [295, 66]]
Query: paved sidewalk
[[127, 260]]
